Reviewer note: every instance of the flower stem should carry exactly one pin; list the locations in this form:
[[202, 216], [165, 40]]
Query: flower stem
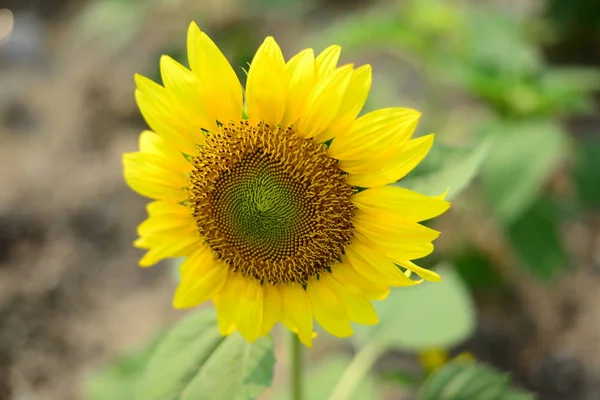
[[357, 370], [296, 370]]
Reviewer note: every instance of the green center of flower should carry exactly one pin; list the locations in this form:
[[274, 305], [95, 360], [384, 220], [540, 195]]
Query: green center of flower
[[261, 207], [270, 204]]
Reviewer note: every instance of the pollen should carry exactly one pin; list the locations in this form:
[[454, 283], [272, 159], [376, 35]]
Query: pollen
[[272, 205]]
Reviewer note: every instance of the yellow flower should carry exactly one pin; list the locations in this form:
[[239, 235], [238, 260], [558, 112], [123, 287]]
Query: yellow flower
[[432, 359], [278, 221]]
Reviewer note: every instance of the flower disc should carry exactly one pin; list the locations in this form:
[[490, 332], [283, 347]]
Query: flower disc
[[270, 204]]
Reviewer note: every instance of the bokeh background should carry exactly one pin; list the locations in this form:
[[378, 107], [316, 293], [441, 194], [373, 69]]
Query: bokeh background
[[511, 87]]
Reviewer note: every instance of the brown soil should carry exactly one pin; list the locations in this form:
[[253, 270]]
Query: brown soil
[[71, 295]]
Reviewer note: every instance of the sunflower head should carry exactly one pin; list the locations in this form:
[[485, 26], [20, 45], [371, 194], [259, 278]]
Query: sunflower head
[[275, 206], [285, 210]]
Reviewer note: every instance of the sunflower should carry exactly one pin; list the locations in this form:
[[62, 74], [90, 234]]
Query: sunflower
[[279, 197]]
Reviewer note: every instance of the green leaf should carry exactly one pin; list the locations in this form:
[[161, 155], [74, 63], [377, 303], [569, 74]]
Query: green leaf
[[569, 89], [460, 380], [121, 380], [587, 173], [478, 271], [402, 378], [194, 362], [535, 237], [454, 169], [110, 25], [491, 35], [361, 30], [428, 315], [521, 159]]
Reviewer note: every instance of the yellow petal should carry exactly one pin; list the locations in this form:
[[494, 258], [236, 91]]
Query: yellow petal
[[167, 222], [396, 250], [359, 309], [272, 307], [167, 208], [388, 158], [168, 226], [142, 243], [374, 133], [352, 102], [401, 202], [202, 277], [164, 116], [375, 266], [422, 272], [324, 102], [250, 318], [393, 166], [148, 175], [170, 247], [296, 311], [150, 142], [433, 358], [220, 86], [300, 77], [227, 303], [327, 60], [327, 308], [165, 239], [185, 90], [198, 263], [348, 277], [266, 84], [383, 227]]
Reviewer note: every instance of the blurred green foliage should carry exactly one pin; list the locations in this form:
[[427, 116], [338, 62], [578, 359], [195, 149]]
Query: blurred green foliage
[[508, 146], [447, 168], [195, 362], [575, 17], [536, 238], [497, 60], [423, 316], [191, 361], [122, 379], [461, 380], [478, 272], [525, 154], [587, 174], [323, 376]]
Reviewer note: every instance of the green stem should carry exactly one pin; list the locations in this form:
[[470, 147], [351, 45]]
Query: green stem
[[356, 371], [296, 371]]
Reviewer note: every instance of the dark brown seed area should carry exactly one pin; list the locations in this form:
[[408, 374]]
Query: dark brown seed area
[[271, 205]]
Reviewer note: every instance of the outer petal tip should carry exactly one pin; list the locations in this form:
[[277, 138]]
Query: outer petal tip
[[141, 81], [306, 339], [270, 46], [443, 197], [194, 32], [145, 262], [177, 303], [193, 26]]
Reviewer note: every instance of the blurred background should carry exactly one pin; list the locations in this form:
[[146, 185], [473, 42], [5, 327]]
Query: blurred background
[[511, 87]]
